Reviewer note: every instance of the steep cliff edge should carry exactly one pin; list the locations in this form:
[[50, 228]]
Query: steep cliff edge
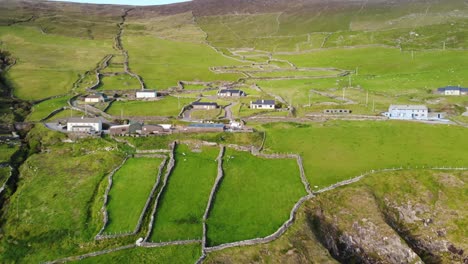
[[396, 217]]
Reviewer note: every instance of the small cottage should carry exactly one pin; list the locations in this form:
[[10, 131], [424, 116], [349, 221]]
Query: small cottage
[[142, 94], [95, 98], [204, 105], [407, 112], [263, 104], [84, 125], [453, 90], [230, 93]]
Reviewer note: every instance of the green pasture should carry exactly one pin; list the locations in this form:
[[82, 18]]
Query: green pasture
[[180, 213], [131, 188], [119, 82], [317, 73], [171, 254], [6, 151], [163, 141], [43, 109], [338, 150], [254, 198], [54, 203], [162, 63], [66, 114], [207, 114], [48, 65], [168, 106], [4, 174]]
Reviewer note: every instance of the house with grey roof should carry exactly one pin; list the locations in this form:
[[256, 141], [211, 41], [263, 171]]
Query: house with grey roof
[[453, 90], [204, 105], [262, 104], [144, 94], [230, 93], [95, 98]]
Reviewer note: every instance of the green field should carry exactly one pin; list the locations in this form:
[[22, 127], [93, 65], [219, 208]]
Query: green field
[[4, 174], [6, 151], [54, 202], [119, 82], [48, 64], [179, 215], [171, 254], [255, 197], [286, 73], [338, 150], [168, 106], [207, 114], [162, 63], [131, 188], [43, 109]]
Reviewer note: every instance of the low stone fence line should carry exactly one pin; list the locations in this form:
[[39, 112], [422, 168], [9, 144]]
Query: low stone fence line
[[269, 238], [89, 255], [120, 140], [170, 243], [152, 151], [170, 167], [346, 117], [360, 177], [56, 111], [149, 155], [150, 197], [215, 188], [106, 198], [7, 179]]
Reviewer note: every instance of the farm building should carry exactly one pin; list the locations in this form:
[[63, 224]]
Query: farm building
[[205, 128], [263, 104], [84, 125], [128, 129], [204, 105], [453, 90], [337, 111], [154, 129], [230, 93], [146, 94], [407, 112], [95, 98]]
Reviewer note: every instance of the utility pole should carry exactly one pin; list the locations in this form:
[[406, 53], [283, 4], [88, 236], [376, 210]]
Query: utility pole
[[344, 93], [412, 54], [349, 81], [121, 114], [444, 45], [357, 71], [309, 99], [373, 104]]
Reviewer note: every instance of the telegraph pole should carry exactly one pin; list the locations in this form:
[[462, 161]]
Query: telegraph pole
[[367, 98]]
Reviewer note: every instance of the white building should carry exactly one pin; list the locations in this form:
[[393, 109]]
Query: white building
[[84, 124], [95, 98], [407, 112], [146, 94], [453, 90], [263, 104]]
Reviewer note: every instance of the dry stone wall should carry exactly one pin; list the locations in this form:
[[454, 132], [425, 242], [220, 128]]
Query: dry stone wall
[[89, 255], [170, 167]]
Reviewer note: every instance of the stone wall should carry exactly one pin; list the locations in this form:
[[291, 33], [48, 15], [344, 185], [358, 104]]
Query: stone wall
[[89, 255], [170, 167], [215, 188], [106, 198]]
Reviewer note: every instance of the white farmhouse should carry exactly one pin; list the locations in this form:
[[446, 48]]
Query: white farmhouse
[[84, 125], [263, 104], [453, 90], [407, 112], [146, 94], [95, 98]]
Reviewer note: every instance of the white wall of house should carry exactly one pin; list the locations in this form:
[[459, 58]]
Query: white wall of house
[[262, 106], [146, 94], [93, 100], [81, 126], [407, 114], [452, 92]]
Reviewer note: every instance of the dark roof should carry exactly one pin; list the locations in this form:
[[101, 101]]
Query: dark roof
[[230, 91], [206, 125], [264, 102], [95, 96], [452, 88], [146, 91], [204, 103]]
